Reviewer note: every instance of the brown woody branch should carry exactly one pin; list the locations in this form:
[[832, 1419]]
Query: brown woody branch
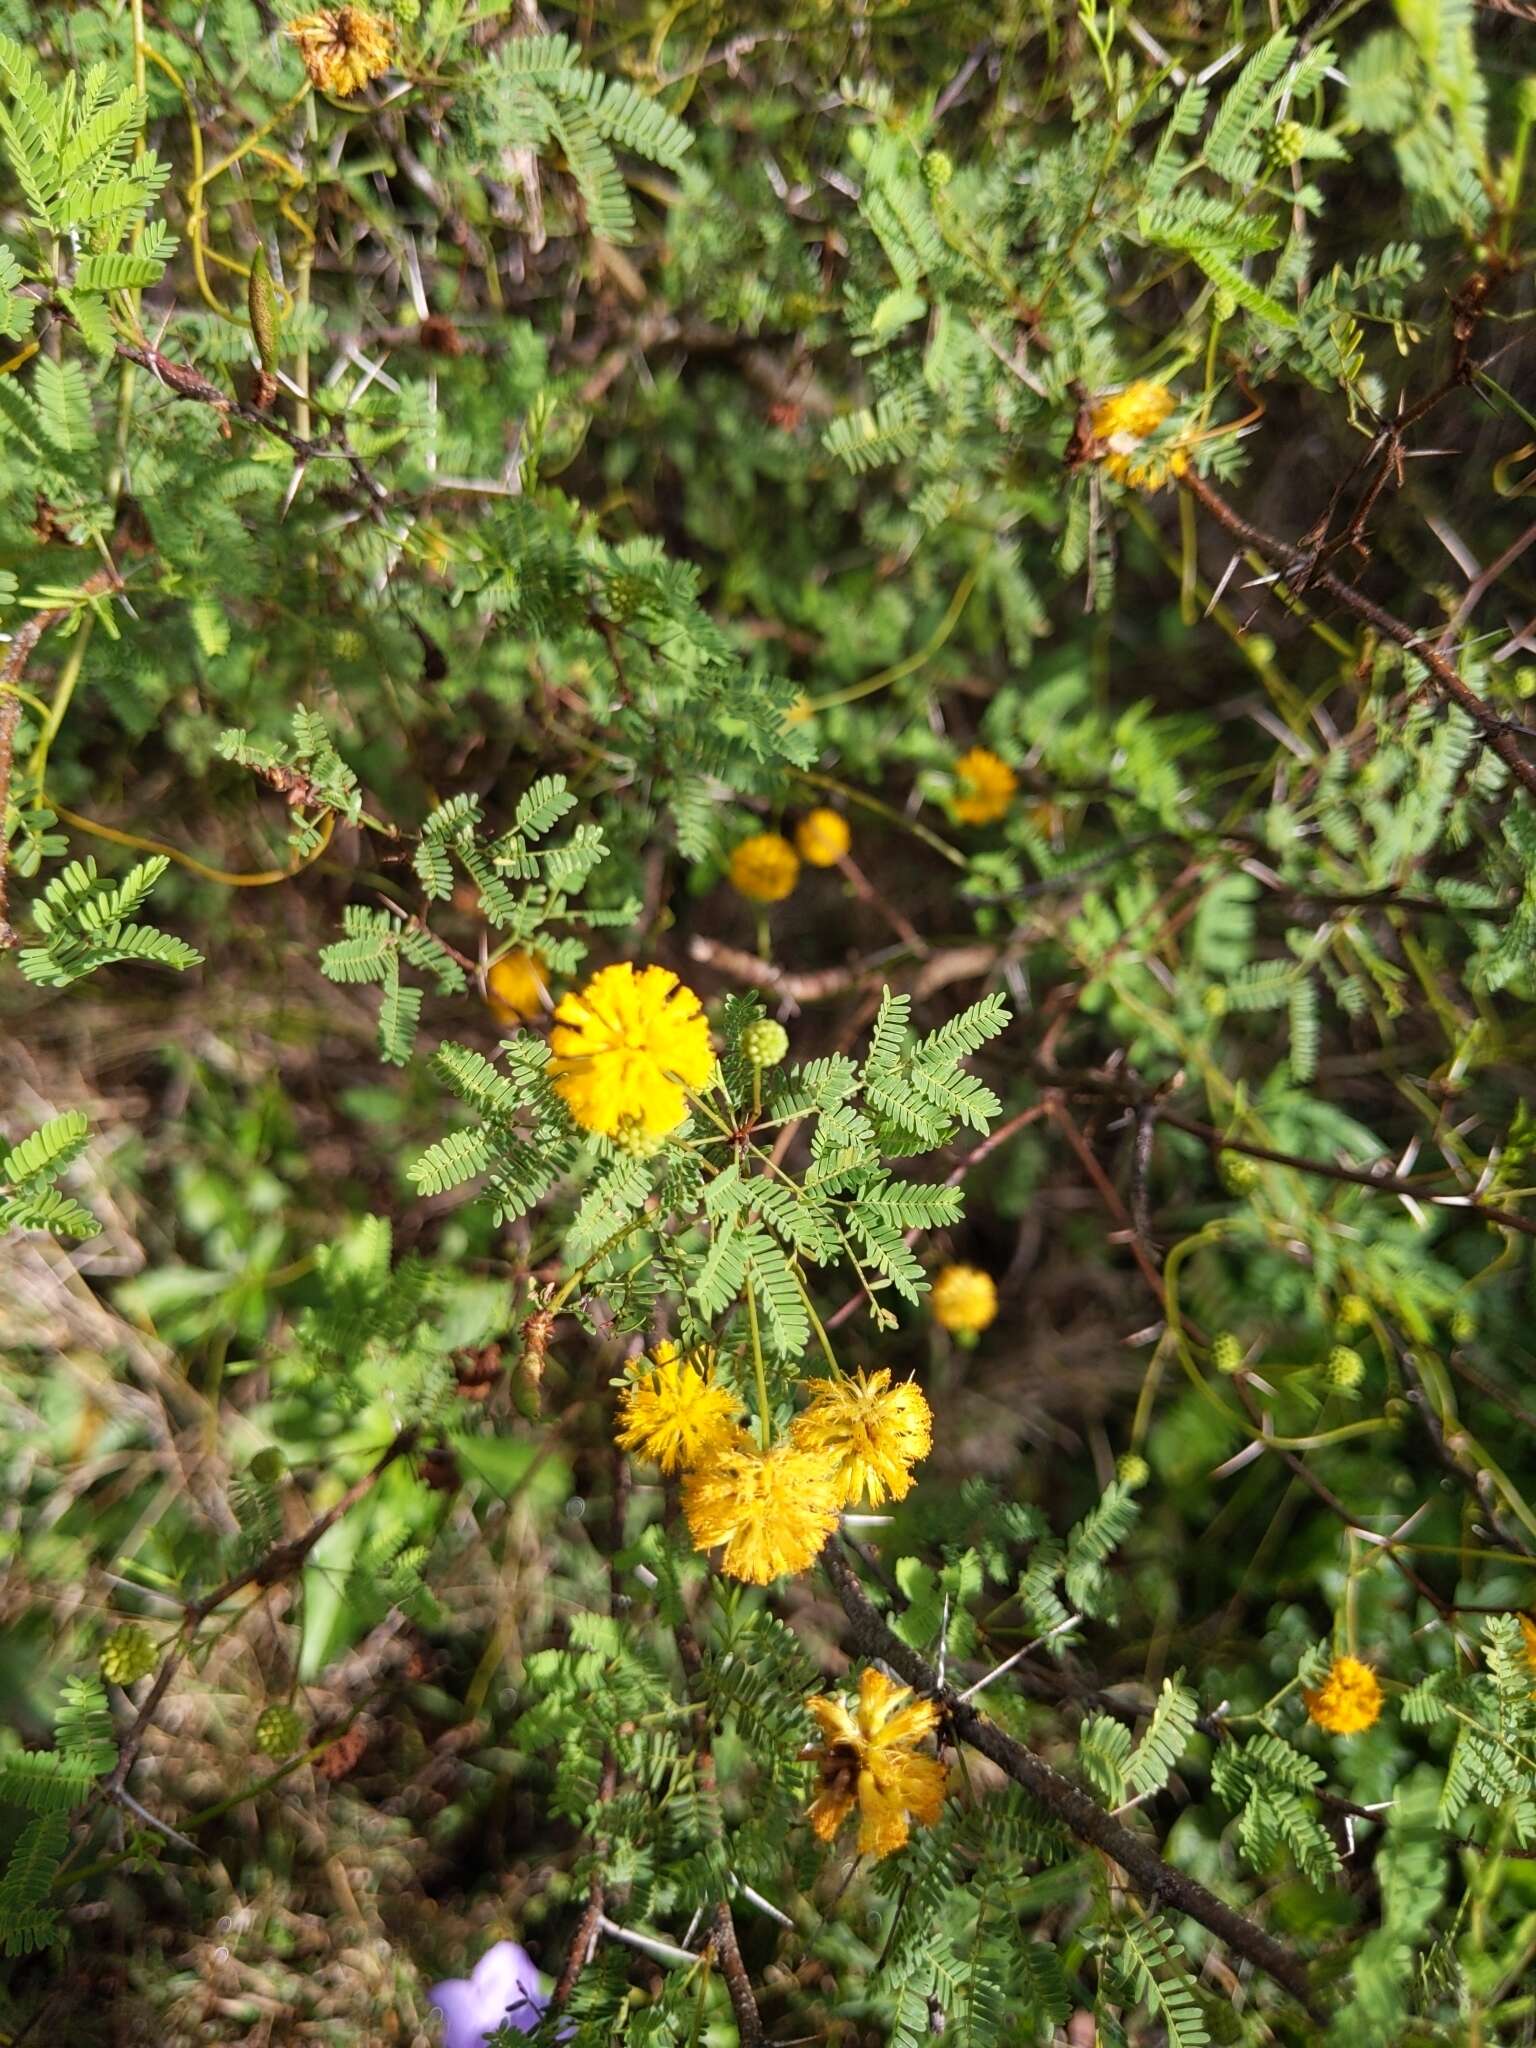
[[1302, 571], [1157, 1881]]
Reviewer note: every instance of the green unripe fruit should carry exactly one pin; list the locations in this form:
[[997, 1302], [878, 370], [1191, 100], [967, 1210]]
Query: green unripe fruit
[[268, 1466], [128, 1655], [938, 169], [1239, 1176], [1132, 1471], [1343, 1369], [278, 1731], [1214, 1000], [764, 1043], [1284, 144], [1226, 1351], [1223, 305], [262, 307], [1354, 1312]]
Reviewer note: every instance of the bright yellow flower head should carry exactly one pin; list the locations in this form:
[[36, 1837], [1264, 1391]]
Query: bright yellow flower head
[[822, 837], [1528, 1630], [515, 987], [677, 1416], [765, 867], [873, 1434], [985, 787], [1348, 1700], [342, 47], [625, 1049], [773, 1510], [964, 1300], [1124, 419], [868, 1758], [1135, 412]]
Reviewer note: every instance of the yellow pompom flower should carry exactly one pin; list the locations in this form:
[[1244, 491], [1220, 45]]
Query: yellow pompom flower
[[822, 838], [1124, 419], [1528, 1631], [625, 1048], [1135, 412], [964, 1300], [984, 787], [1348, 1700], [765, 867], [868, 1758], [772, 1510], [871, 1432], [515, 987], [677, 1415], [342, 47]]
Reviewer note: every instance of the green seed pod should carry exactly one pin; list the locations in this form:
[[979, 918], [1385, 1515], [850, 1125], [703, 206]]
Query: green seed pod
[[266, 319], [1343, 1369], [1226, 1351], [764, 1043], [128, 1655], [278, 1731], [1132, 1471]]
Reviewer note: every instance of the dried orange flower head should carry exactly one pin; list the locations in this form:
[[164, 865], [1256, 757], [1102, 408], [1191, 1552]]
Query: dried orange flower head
[[515, 987], [1124, 419], [771, 1510], [871, 1432], [342, 48], [624, 1050], [1349, 1699], [822, 838], [868, 1758], [984, 787], [964, 1300], [765, 868], [677, 1415]]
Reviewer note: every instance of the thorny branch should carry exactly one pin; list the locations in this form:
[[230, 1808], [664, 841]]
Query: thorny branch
[[1157, 1881], [1302, 571]]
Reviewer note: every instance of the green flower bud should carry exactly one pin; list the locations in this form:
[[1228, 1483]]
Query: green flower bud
[[1226, 1351], [938, 169], [764, 1043], [635, 1141], [268, 1466], [1239, 1175], [1284, 144], [1132, 1471], [278, 1731], [1525, 680], [128, 1655], [1214, 1000], [1354, 1312], [1463, 1325], [625, 594], [1223, 305], [1343, 1369]]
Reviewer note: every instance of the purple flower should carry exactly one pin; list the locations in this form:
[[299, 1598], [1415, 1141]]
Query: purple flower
[[503, 1990]]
